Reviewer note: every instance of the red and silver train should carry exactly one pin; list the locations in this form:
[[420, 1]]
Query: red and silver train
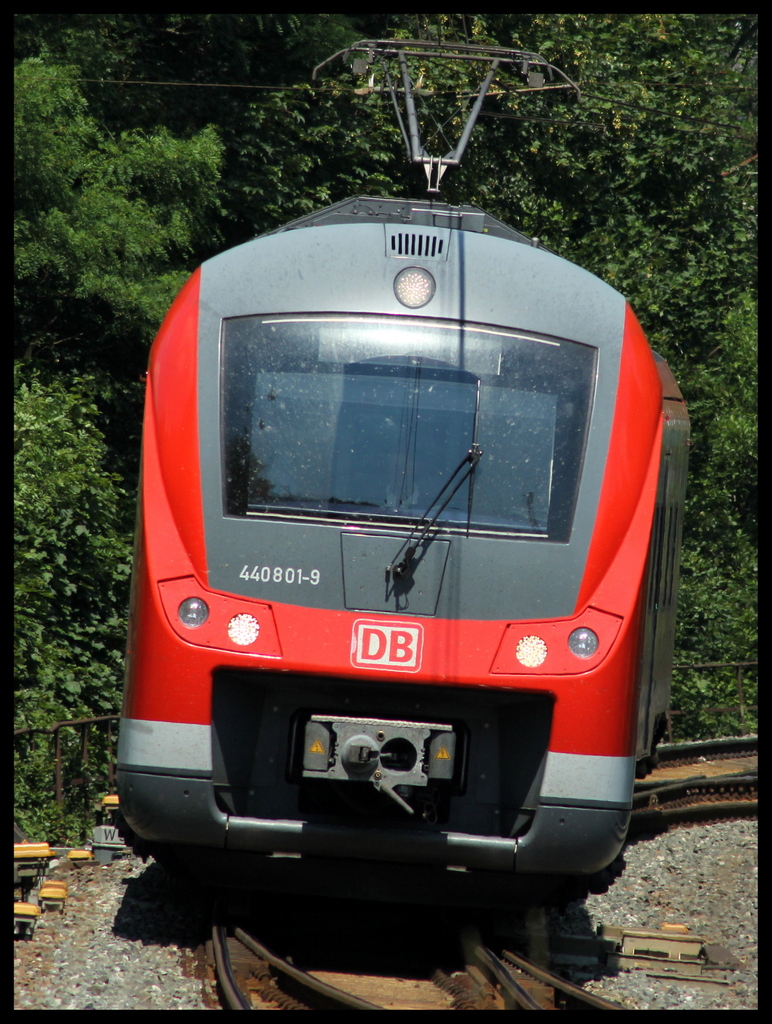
[[407, 558]]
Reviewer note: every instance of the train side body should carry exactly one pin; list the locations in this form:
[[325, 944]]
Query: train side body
[[300, 420]]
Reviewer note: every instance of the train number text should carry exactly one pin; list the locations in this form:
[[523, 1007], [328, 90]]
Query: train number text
[[278, 574]]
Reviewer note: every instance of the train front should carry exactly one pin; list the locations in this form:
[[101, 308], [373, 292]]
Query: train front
[[399, 472]]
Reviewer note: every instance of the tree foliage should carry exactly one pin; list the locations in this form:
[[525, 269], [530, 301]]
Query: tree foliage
[[102, 223], [72, 558], [71, 554]]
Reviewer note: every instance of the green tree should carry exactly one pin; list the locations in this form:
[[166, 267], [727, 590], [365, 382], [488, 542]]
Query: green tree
[[286, 145], [72, 554], [103, 226]]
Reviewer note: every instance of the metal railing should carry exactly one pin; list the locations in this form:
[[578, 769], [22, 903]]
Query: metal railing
[[84, 725], [741, 707]]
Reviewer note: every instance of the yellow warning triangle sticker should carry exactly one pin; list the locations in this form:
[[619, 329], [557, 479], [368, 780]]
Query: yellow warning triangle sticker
[[316, 748], [442, 755]]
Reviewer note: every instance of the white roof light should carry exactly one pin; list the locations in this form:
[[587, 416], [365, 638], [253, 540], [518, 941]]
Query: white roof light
[[414, 287]]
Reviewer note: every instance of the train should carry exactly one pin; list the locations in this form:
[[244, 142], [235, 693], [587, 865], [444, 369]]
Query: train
[[406, 564]]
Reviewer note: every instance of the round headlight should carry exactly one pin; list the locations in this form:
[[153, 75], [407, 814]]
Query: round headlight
[[531, 651], [243, 629], [193, 612], [414, 287], [583, 642]]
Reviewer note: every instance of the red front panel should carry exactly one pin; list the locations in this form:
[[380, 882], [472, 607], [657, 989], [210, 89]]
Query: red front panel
[[170, 668]]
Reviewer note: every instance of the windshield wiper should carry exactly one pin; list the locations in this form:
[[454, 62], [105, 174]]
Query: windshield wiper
[[401, 569]]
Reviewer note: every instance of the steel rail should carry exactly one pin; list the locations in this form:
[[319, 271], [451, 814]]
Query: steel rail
[[234, 997], [734, 746], [657, 819], [334, 998], [675, 789], [515, 996], [573, 992]]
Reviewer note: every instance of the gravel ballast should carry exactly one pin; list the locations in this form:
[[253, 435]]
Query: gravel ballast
[[126, 941], [704, 877], [128, 936]]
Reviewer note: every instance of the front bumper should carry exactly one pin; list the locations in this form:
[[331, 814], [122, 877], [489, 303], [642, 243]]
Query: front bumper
[[175, 810]]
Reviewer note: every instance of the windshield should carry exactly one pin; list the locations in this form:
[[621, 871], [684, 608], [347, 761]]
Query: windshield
[[366, 419]]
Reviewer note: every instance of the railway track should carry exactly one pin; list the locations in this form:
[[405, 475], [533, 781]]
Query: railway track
[[732, 747], [251, 976], [698, 782], [692, 783]]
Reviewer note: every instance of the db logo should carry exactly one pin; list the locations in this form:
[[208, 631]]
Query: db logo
[[394, 645]]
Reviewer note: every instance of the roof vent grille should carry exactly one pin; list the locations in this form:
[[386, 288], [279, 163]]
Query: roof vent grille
[[422, 245]]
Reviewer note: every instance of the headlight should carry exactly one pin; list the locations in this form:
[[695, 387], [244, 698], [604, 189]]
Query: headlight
[[583, 642], [193, 612], [243, 629], [531, 651]]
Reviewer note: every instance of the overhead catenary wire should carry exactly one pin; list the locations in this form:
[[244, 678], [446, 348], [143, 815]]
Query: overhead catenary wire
[[591, 125], [303, 87], [656, 110]]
